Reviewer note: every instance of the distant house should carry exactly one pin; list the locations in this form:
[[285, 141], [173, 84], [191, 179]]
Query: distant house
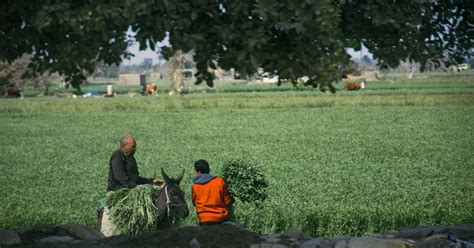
[[156, 76], [147, 62], [188, 73], [132, 79]]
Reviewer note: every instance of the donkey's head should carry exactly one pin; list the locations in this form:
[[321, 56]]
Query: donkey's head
[[170, 201]]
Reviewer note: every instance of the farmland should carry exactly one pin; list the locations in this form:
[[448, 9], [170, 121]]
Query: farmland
[[352, 163]]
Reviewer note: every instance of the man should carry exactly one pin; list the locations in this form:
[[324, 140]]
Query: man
[[123, 169], [123, 173], [210, 196]]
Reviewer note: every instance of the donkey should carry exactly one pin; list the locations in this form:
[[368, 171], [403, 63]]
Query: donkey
[[170, 202]]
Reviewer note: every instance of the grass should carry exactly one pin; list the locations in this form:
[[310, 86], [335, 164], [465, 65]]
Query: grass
[[346, 164]]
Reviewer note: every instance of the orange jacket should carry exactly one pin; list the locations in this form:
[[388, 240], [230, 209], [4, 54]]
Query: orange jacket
[[211, 198]]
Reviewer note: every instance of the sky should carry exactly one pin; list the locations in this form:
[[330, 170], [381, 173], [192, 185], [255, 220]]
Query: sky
[[140, 55], [359, 54]]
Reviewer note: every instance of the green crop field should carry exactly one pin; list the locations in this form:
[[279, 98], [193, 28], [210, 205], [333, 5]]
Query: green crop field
[[350, 163]]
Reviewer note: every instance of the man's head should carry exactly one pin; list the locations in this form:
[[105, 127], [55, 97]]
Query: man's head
[[201, 166], [128, 145]]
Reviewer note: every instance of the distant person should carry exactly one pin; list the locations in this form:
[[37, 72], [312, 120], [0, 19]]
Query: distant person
[[210, 196], [123, 173]]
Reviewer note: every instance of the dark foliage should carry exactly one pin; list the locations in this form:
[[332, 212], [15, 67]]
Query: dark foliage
[[290, 38]]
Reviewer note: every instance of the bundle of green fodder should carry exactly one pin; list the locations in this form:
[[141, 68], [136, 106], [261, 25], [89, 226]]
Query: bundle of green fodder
[[133, 210], [245, 180]]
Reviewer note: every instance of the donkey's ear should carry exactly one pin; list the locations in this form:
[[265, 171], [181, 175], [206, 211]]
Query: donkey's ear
[[180, 177], [166, 178]]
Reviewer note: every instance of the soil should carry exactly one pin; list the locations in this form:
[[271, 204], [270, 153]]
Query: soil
[[209, 236]]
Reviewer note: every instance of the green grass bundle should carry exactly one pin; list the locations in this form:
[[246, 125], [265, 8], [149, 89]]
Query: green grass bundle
[[246, 181], [133, 210]]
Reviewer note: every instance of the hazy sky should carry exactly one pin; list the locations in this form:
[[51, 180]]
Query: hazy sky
[[359, 54], [140, 55]]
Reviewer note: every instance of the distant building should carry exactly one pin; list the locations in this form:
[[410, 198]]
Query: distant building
[[156, 76], [147, 62], [132, 79]]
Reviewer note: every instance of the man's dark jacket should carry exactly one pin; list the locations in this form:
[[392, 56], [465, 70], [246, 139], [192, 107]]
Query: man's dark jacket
[[123, 172]]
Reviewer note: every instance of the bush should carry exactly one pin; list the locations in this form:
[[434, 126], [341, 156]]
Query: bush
[[245, 180]]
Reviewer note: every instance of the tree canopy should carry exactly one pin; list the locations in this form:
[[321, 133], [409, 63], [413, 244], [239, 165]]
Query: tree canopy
[[289, 38]]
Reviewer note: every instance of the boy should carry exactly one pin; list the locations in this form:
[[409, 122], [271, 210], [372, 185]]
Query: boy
[[210, 196]]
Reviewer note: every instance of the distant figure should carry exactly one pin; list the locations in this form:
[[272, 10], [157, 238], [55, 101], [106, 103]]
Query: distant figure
[[210, 196]]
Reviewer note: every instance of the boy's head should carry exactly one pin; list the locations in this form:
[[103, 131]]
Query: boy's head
[[201, 166]]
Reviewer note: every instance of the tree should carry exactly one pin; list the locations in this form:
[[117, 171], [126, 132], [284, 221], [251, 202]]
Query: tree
[[106, 71], [176, 73], [288, 38], [470, 62], [14, 73], [18, 73]]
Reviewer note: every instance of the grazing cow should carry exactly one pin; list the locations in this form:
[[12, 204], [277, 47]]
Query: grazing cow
[[149, 89], [354, 86], [11, 91]]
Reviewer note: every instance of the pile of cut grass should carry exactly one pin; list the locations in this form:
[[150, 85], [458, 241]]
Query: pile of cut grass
[[133, 210]]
